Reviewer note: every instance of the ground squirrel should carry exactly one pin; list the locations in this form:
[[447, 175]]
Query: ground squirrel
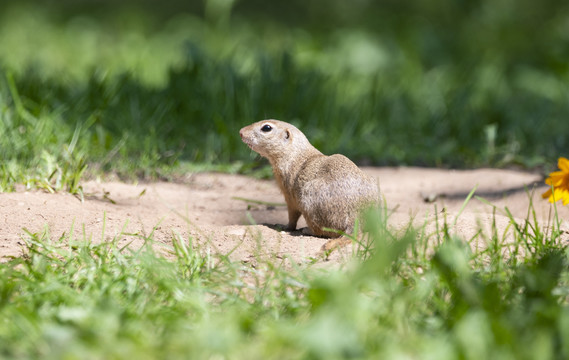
[[328, 191]]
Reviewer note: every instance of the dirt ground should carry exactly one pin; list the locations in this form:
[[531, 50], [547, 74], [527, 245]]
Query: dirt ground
[[209, 209]]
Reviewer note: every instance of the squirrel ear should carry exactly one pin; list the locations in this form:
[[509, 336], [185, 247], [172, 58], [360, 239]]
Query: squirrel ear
[[287, 134]]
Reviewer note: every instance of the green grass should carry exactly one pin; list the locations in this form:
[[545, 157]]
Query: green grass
[[147, 96], [72, 298]]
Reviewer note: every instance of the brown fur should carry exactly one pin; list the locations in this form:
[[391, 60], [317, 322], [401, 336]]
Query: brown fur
[[329, 191]]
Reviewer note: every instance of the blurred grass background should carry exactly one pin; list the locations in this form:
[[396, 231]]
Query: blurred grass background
[[143, 89]]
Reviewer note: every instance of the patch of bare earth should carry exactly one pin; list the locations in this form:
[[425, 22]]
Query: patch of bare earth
[[208, 208]]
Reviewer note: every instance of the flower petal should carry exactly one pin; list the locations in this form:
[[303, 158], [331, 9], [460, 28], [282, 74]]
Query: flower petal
[[564, 195], [552, 198], [546, 194], [555, 178], [559, 194], [563, 164], [559, 182], [565, 198]]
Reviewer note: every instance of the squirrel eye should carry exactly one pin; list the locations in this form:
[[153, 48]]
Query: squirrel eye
[[266, 128]]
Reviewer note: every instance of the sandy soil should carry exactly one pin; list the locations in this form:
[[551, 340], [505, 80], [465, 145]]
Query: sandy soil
[[209, 209]]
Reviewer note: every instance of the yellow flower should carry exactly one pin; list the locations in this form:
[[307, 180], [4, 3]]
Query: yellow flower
[[560, 182]]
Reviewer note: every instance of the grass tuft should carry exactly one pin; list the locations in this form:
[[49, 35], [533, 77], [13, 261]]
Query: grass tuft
[[77, 298]]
